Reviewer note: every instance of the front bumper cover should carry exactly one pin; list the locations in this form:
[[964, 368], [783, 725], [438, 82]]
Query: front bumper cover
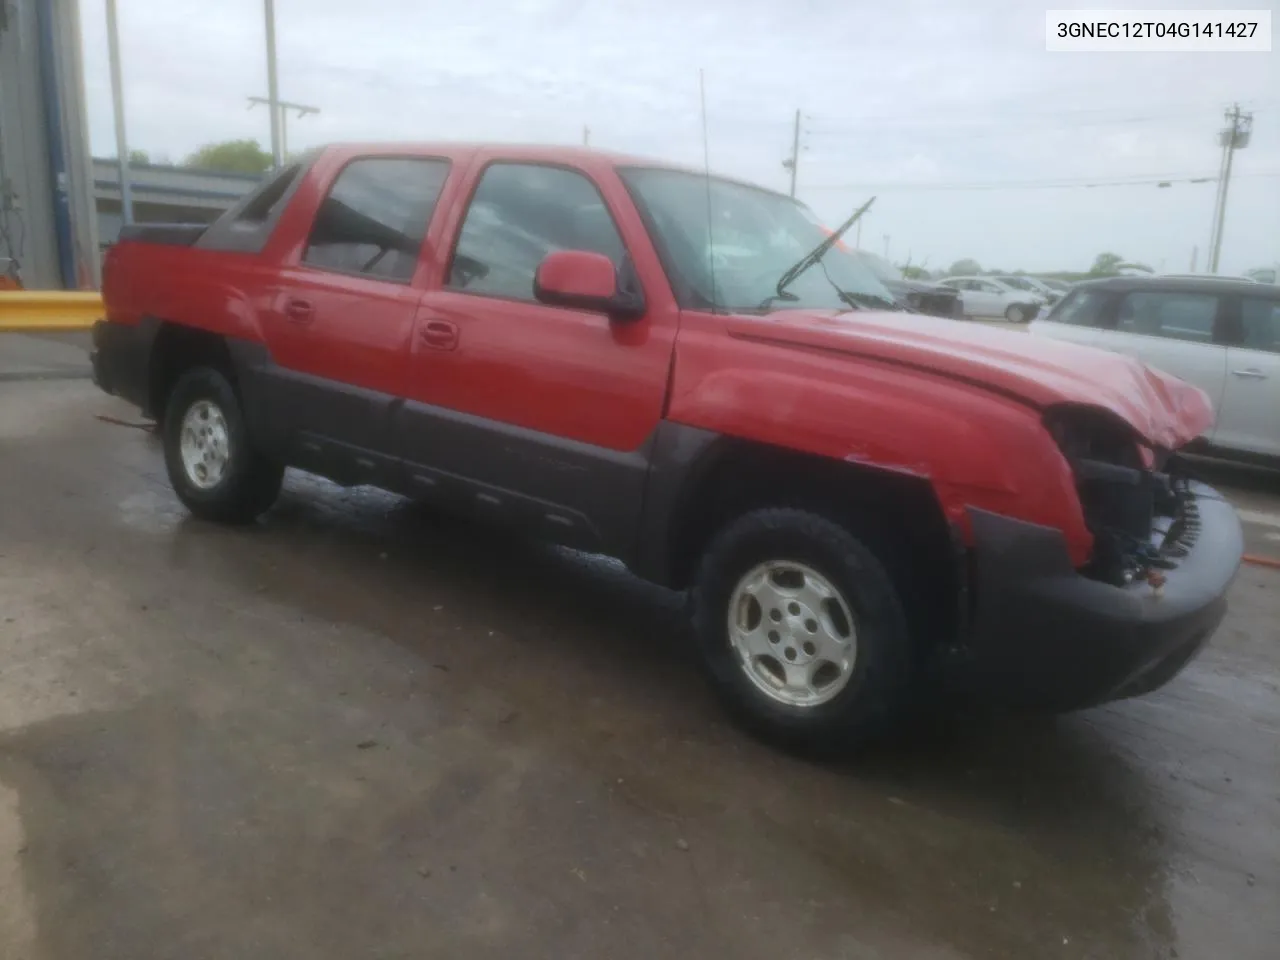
[[1042, 635]]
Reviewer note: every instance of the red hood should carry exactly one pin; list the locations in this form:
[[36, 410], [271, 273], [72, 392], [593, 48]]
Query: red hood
[[1165, 411]]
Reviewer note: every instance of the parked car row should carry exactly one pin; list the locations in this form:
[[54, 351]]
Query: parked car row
[[921, 296]]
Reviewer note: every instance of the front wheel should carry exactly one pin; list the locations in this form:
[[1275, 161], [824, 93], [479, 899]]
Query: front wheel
[[213, 467], [801, 630], [1016, 314]]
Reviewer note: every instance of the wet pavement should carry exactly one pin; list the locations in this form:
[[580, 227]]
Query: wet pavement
[[358, 729]]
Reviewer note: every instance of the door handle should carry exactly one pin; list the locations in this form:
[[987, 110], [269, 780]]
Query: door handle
[[1250, 373], [298, 310], [439, 334]]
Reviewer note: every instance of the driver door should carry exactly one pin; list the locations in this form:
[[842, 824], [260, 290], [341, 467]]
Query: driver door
[[533, 412]]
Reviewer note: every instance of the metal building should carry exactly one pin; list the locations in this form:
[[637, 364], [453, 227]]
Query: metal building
[[48, 231]]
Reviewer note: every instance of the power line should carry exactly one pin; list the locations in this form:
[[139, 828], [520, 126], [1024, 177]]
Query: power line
[[1038, 184], [990, 122], [1002, 114], [991, 132]]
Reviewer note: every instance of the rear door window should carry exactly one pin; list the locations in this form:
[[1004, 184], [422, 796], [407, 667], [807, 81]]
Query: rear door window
[[375, 217], [1176, 316], [1260, 323]]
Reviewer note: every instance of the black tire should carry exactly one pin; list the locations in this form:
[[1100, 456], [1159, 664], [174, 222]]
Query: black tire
[[1016, 313], [251, 481], [882, 669]]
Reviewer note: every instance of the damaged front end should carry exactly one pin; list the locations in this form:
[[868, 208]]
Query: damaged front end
[[1136, 499]]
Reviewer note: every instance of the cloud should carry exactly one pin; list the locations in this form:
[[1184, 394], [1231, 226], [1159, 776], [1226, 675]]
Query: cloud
[[892, 95]]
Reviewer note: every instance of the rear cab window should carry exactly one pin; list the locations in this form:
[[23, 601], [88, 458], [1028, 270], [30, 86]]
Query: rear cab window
[[375, 216], [246, 227]]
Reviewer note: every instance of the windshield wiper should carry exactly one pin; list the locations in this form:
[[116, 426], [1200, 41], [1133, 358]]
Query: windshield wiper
[[814, 256], [873, 300]]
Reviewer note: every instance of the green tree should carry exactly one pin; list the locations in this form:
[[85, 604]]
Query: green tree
[[139, 156], [915, 273], [965, 268], [231, 156], [1106, 264]]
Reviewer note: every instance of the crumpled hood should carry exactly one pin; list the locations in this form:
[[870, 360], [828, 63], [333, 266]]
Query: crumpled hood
[[1165, 411]]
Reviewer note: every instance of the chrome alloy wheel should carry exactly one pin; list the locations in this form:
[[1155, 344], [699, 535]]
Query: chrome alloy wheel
[[205, 445], [794, 633]]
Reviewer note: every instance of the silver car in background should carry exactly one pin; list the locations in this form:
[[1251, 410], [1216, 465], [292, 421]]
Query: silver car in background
[[988, 297]]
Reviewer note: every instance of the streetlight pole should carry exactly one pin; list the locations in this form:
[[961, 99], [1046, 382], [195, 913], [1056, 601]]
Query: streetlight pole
[[117, 108], [273, 89]]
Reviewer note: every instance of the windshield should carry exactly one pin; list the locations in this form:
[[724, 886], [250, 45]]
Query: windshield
[[755, 237]]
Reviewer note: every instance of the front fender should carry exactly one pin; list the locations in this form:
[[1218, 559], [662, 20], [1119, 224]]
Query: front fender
[[977, 448]]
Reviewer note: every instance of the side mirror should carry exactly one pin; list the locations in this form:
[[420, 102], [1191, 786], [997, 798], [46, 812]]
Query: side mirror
[[584, 280]]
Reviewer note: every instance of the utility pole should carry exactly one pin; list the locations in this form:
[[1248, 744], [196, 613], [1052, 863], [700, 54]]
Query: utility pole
[[1195, 258], [586, 136], [886, 246], [273, 88], [117, 107], [281, 106], [1234, 137], [793, 161]]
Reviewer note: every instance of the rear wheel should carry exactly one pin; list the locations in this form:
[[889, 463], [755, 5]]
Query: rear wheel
[[801, 630], [213, 467], [1016, 314]]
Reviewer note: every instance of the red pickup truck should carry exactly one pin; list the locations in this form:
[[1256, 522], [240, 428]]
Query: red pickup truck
[[648, 362]]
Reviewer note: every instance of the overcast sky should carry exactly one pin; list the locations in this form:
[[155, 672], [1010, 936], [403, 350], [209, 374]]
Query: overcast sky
[[906, 101]]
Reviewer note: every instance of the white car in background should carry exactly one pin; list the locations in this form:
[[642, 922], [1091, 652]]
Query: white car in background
[[1030, 285], [1059, 287], [1221, 335], [988, 297]]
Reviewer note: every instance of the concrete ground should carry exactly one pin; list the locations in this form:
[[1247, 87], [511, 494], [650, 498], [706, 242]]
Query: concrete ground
[[357, 730]]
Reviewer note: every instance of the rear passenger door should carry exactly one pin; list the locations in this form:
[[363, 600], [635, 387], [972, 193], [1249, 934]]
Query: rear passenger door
[[1179, 332], [1250, 416], [341, 320]]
